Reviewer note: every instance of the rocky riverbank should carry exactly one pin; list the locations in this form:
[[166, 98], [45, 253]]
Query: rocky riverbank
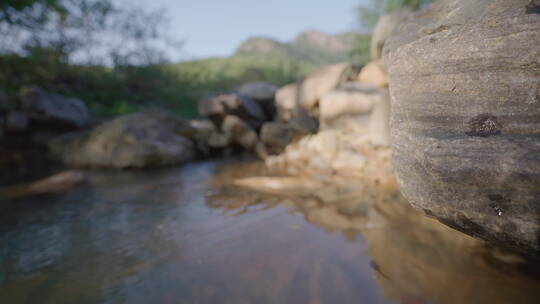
[[464, 127]]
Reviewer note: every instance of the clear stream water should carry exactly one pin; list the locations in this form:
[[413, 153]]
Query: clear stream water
[[184, 236]]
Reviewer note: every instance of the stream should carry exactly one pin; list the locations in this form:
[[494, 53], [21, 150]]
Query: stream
[[187, 236]]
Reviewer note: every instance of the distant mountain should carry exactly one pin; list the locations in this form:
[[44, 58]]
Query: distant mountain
[[311, 46], [265, 59]]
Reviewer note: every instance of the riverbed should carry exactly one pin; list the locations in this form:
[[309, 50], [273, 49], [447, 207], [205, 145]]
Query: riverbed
[[187, 235]]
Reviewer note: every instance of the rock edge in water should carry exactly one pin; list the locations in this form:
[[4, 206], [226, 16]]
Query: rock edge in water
[[465, 88]]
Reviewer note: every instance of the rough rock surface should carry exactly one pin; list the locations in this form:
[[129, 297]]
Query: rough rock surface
[[53, 108], [145, 139], [465, 87]]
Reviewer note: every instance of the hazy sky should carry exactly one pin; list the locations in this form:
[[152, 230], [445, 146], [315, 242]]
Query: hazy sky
[[216, 27]]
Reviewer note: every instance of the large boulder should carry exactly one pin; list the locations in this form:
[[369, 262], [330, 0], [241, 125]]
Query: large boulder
[[53, 108], [217, 107], [465, 87], [263, 93], [384, 27], [145, 139]]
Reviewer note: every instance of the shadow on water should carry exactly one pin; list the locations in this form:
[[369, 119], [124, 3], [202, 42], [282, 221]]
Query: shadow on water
[[188, 236]]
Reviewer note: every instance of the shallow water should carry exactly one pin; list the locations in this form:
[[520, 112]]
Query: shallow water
[[186, 236]]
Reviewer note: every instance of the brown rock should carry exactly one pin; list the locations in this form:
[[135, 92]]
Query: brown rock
[[346, 103], [321, 82], [277, 135], [287, 101], [379, 121], [56, 183], [144, 139], [374, 73], [240, 132], [303, 98]]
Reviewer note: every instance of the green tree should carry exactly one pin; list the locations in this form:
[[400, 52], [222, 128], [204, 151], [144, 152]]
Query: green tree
[[369, 14], [85, 31]]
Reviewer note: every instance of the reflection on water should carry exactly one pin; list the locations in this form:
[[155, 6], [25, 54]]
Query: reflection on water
[[187, 236]]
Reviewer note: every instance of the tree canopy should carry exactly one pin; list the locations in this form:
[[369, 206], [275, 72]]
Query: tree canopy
[[84, 31], [370, 13]]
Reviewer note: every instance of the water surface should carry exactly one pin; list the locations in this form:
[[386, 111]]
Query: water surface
[[187, 236]]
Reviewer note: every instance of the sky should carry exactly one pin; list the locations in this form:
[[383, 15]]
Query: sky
[[216, 27]]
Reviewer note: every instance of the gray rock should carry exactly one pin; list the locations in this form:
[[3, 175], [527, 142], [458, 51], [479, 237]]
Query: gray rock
[[263, 93], [53, 108], [217, 107], [465, 87], [145, 139], [16, 121], [258, 90]]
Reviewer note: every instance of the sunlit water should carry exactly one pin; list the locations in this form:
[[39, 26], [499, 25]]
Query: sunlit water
[[184, 236]]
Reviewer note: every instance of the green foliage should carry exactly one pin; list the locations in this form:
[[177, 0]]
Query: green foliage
[[226, 73], [111, 91], [107, 91], [368, 15], [19, 5], [84, 31], [360, 53], [131, 74]]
